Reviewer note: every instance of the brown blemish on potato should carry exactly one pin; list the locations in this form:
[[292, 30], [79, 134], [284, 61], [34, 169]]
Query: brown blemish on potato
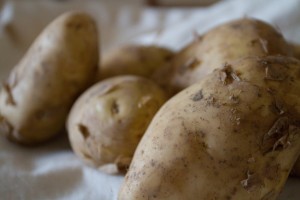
[[168, 57], [122, 164], [11, 32], [75, 25], [190, 64], [10, 99], [152, 163], [84, 131], [253, 42], [198, 96], [227, 75], [115, 107]]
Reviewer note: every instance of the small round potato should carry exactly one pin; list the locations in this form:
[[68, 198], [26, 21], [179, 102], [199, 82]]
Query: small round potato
[[134, 60], [107, 122]]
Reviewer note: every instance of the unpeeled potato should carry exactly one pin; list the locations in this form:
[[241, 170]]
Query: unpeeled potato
[[233, 135], [223, 44], [134, 59], [39, 92], [108, 120]]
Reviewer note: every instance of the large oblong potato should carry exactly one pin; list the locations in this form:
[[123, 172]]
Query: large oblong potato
[[60, 64], [233, 135], [223, 44], [108, 120], [134, 59]]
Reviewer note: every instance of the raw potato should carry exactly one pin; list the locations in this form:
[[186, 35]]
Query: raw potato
[[223, 44], [107, 121], [134, 60], [60, 64], [233, 135]]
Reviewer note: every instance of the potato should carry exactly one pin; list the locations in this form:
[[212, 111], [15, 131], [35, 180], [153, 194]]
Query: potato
[[223, 44], [233, 135], [108, 120], [60, 64], [134, 60]]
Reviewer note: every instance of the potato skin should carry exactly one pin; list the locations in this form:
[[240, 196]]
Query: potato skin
[[134, 60], [60, 64], [230, 136], [223, 44], [108, 120]]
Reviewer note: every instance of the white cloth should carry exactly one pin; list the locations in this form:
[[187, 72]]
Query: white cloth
[[52, 171]]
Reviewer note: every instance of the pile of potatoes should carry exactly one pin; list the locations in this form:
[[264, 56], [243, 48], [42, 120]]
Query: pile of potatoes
[[219, 119]]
